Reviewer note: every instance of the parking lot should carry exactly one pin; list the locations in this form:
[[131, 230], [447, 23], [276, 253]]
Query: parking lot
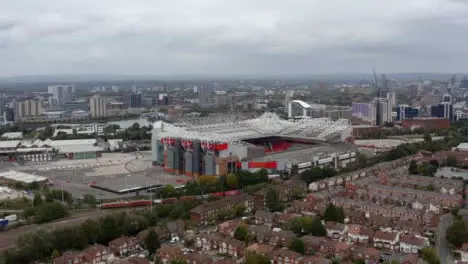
[[115, 171]]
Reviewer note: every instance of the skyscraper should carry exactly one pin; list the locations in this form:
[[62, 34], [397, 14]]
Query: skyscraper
[[135, 100], [27, 108], [97, 105], [61, 94], [204, 96]]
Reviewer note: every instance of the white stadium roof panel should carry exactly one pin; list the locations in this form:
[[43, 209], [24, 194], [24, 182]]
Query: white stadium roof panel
[[230, 128]]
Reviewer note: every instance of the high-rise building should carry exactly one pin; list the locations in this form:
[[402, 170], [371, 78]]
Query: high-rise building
[[444, 109], [97, 105], [27, 108], [61, 94], [405, 112], [204, 96], [378, 111], [135, 100]]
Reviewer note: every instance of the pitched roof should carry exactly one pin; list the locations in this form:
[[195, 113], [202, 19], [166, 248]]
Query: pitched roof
[[389, 236]]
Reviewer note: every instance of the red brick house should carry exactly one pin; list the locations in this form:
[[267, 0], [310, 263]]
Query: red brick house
[[286, 256], [123, 245], [97, 254], [168, 253], [70, 257], [206, 213]]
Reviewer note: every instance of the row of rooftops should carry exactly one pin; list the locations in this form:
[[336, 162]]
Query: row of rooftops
[[63, 146]]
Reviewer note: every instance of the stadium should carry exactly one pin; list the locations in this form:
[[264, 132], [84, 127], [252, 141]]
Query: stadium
[[225, 143]]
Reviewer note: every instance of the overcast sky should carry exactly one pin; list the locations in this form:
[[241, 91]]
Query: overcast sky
[[224, 37]]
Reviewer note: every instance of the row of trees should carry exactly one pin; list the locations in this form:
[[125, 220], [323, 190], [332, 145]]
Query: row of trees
[[43, 245], [135, 132], [316, 174], [210, 184]]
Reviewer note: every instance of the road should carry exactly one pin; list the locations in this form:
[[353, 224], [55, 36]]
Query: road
[[441, 244], [8, 238]]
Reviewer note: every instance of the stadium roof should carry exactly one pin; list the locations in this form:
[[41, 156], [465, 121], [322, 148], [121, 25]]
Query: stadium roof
[[21, 176], [234, 128]]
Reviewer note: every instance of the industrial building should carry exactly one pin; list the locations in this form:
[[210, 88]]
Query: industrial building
[[47, 150], [217, 145]]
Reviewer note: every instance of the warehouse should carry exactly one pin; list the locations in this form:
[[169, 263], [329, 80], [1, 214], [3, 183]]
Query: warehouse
[[13, 176]]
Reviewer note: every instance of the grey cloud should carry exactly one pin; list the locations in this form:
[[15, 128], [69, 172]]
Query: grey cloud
[[231, 37]]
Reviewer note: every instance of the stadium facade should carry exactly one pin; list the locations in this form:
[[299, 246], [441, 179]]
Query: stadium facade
[[220, 144]]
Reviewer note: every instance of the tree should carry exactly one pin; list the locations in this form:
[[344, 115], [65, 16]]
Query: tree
[[451, 161], [37, 199], [253, 258], [430, 256], [241, 233], [91, 229], [297, 245], [152, 242], [49, 211], [272, 200], [231, 181], [55, 254], [89, 199], [427, 137], [457, 233], [168, 191], [318, 229], [334, 213], [413, 167], [240, 209], [361, 160]]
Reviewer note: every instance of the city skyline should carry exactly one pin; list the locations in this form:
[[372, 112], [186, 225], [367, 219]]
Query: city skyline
[[231, 38]]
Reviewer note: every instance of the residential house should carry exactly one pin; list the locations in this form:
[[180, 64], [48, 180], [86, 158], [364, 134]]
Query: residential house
[[335, 230], [176, 228], [301, 207], [97, 254], [260, 233], [207, 242], [463, 252], [386, 240], [372, 255], [265, 218], [281, 238], [410, 259], [359, 234], [207, 213], [232, 247], [199, 258], [284, 218], [412, 244], [316, 260], [312, 243], [69, 257], [342, 251], [225, 261], [123, 245], [168, 253], [134, 260], [285, 256], [286, 191], [260, 248], [228, 228]]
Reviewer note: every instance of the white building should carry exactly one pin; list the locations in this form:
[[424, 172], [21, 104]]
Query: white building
[[62, 93], [98, 106], [27, 108]]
